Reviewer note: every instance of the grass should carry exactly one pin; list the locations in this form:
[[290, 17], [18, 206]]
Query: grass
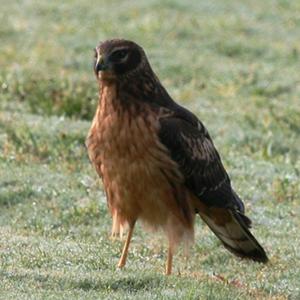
[[233, 63]]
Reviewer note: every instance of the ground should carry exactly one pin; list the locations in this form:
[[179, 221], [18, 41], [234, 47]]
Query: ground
[[234, 63]]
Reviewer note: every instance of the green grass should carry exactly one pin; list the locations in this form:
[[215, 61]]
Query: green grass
[[233, 63]]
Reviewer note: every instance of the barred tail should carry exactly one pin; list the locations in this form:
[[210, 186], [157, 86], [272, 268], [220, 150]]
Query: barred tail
[[231, 227]]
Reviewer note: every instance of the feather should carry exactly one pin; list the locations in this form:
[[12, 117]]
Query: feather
[[192, 148]]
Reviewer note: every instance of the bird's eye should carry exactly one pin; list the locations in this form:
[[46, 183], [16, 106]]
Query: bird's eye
[[119, 55]]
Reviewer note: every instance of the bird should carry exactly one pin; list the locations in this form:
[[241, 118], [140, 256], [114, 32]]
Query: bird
[[157, 161]]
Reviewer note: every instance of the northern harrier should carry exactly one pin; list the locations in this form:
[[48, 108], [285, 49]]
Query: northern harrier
[[157, 160]]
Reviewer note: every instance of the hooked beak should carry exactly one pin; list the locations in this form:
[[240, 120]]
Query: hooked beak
[[101, 64]]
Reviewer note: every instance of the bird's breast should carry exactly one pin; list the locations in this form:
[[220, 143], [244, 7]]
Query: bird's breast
[[135, 167]]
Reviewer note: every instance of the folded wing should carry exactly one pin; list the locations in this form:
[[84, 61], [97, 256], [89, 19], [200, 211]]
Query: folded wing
[[217, 203]]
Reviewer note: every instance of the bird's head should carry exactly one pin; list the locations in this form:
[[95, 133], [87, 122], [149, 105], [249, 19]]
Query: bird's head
[[118, 58]]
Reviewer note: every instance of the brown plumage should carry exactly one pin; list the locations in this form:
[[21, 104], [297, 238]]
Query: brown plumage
[[157, 160]]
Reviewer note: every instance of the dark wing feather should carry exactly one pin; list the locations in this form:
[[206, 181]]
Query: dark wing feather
[[192, 148]]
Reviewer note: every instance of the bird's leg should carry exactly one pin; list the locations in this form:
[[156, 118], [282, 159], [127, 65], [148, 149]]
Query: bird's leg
[[123, 258], [117, 227], [169, 260]]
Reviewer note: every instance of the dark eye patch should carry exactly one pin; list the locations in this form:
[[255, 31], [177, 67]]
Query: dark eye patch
[[133, 60], [118, 55]]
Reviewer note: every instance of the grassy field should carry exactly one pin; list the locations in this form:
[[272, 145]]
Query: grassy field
[[234, 63]]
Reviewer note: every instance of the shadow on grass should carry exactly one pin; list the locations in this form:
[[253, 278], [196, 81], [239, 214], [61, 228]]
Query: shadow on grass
[[129, 283]]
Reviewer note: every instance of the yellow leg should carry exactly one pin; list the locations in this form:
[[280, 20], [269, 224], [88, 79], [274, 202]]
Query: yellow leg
[[169, 261], [123, 258]]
